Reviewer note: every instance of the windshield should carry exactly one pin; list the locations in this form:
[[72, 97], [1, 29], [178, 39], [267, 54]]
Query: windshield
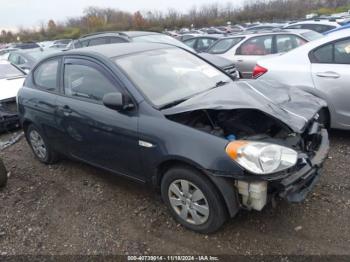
[[312, 35], [223, 45], [164, 39], [9, 71], [168, 75]]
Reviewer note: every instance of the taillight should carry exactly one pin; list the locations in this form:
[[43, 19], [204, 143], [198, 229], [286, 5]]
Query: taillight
[[258, 71]]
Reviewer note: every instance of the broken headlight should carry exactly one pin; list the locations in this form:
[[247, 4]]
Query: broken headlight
[[261, 158]]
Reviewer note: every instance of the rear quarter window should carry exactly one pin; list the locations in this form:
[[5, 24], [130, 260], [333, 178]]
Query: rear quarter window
[[45, 75]]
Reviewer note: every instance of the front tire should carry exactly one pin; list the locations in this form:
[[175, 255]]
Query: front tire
[[193, 200], [40, 146]]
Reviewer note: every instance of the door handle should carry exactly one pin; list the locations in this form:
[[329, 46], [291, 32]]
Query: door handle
[[66, 110], [240, 60], [328, 74]]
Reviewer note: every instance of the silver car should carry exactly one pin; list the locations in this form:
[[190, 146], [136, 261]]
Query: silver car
[[322, 68], [246, 48]]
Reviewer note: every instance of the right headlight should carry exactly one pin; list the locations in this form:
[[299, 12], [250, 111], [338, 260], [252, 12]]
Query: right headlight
[[261, 158]]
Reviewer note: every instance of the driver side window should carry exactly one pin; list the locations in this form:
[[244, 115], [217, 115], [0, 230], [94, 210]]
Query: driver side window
[[83, 81]]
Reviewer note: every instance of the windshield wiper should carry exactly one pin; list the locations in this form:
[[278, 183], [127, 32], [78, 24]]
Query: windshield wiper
[[174, 103]]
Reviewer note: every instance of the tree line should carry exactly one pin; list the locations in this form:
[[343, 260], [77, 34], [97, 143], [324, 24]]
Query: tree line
[[107, 19]]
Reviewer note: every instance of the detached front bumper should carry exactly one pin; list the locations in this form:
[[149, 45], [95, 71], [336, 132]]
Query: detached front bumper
[[295, 187], [9, 118]]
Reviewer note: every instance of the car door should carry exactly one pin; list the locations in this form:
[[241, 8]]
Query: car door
[[330, 67], [250, 51], [40, 103], [92, 132]]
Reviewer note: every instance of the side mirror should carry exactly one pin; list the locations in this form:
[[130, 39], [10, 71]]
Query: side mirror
[[117, 101]]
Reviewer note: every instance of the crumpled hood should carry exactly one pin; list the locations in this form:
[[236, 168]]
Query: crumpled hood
[[10, 87], [292, 106]]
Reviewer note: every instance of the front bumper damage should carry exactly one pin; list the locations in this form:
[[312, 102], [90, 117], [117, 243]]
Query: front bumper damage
[[295, 187], [254, 192]]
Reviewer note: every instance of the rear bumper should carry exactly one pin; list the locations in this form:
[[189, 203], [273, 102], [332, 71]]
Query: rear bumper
[[295, 187]]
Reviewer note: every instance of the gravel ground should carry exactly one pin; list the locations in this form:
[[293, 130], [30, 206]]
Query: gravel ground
[[72, 208]]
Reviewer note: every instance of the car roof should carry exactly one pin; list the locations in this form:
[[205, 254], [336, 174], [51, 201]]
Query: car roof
[[130, 34], [120, 49], [214, 36], [137, 33], [316, 22], [266, 32]]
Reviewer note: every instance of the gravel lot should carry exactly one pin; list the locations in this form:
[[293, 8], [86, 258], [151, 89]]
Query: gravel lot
[[72, 208]]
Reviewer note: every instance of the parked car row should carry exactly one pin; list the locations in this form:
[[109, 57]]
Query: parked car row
[[317, 24]]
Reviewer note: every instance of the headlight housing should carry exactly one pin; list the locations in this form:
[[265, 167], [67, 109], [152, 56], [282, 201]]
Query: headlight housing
[[261, 158]]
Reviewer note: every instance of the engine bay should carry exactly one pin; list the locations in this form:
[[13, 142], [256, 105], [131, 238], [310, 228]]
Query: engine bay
[[240, 124]]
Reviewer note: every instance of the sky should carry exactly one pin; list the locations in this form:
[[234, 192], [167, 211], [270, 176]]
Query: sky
[[30, 13]]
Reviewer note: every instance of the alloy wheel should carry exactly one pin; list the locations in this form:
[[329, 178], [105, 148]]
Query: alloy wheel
[[188, 201], [38, 144]]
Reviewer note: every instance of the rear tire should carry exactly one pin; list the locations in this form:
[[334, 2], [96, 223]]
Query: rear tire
[[3, 174], [39, 145], [193, 200]]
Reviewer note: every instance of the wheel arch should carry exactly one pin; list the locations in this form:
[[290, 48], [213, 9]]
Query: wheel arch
[[223, 185]]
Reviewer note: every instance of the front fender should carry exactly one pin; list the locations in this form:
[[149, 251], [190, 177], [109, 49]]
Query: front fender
[[177, 142]]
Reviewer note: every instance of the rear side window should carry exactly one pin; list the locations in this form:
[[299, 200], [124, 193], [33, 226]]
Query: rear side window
[[342, 52], [318, 28], [13, 58], [98, 41], [117, 40], [204, 43], [190, 42], [285, 43], [294, 27], [21, 60], [86, 82], [223, 45], [45, 76], [260, 45], [324, 54], [334, 53]]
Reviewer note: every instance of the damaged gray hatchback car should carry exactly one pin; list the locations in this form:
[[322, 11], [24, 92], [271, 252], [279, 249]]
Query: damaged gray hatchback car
[[165, 117]]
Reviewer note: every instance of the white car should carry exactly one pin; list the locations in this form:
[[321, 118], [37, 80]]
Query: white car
[[319, 26], [247, 48], [11, 80], [322, 68]]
